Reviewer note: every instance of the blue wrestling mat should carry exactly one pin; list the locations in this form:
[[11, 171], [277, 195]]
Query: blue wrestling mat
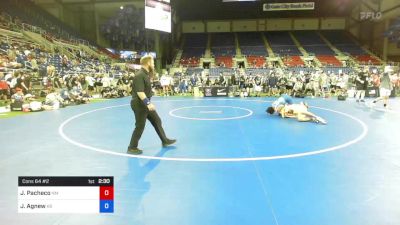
[[233, 164]]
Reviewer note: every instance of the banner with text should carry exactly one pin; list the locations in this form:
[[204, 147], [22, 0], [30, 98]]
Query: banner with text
[[216, 92], [289, 6]]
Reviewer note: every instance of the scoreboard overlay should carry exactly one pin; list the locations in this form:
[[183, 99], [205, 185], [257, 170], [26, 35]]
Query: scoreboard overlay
[[65, 194]]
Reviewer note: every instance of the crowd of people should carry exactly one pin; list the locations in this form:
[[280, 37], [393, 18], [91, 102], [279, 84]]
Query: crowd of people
[[277, 82], [31, 74], [60, 91], [21, 65]]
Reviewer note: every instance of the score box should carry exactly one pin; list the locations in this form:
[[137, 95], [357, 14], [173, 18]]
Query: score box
[[106, 199], [106, 193], [65, 194]]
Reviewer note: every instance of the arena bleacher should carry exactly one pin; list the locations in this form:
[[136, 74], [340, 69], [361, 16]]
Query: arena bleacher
[[59, 51]]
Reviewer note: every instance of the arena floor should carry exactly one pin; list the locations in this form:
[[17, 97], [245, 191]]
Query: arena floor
[[233, 164]]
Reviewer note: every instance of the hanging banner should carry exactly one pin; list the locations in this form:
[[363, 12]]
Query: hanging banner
[[289, 6]]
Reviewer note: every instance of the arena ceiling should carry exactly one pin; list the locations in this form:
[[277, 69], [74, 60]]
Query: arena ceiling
[[103, 7], [80, 1], [216, 9]]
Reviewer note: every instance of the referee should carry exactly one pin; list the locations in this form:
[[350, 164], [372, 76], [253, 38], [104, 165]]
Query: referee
[[143, 108]]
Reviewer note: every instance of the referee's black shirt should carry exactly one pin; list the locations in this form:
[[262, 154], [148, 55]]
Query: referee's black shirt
[[141, 83]]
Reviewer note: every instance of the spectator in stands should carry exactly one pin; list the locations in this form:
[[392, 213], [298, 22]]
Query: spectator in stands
[[11, 53], [17, 100], [361, 85], [53, 100], [33, 63], [70, 81], [165, 84], [82, 81], [26, 79], [273, 85], [46, 82], [232, 80], [342, 84], [291, 80], [385, 88], [56, 82], [64, 94], [18, 82], [90, 81], [172, 84], [8, 78], [42, 65], [65, 61], [221, 80], [4, 88], [207, 81], [156, 85], [242, 82], [193, 80], [3, 64], [20, 59], [98, 84], [77, 95], [309, 87], [375, 79], [11, 63], [257, 86], [316, 84], [183, 86], [51, 70], [333, 79], [106, 83], [396, 81], [324, 83], [282, 82], [249, 85], [298, 88], [124, 83]]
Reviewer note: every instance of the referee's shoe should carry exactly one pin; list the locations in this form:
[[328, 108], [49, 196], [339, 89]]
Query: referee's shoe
[[134, 151], [168, 142]]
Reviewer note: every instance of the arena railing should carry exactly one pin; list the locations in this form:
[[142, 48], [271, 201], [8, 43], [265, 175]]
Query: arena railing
[[7, 38], [28, 27], [3, 51], [69, 39]]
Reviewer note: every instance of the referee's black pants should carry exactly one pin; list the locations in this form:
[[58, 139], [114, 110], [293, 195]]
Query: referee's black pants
[[141, 114]]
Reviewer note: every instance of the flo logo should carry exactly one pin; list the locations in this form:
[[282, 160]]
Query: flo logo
[[370, 15]]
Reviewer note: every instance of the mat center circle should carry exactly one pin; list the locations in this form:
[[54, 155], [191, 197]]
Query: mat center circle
[[210, 112]]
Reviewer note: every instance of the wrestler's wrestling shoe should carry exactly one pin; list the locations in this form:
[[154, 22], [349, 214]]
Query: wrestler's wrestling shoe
[[168, 142], [320, 120], [134, 151]]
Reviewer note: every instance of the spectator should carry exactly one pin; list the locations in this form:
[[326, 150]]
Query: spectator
[[4, 88], [53, 100], [361, 85], [90, 81], [17, 100]]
